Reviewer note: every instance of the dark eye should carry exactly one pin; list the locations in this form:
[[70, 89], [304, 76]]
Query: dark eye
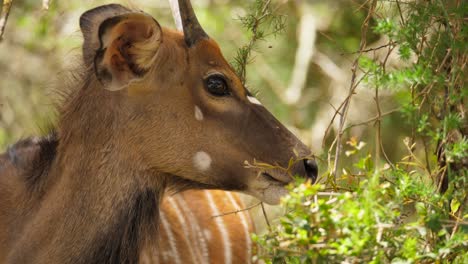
[[216, 85]]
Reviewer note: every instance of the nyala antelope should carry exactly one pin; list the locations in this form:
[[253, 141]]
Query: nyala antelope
[[156, 111]]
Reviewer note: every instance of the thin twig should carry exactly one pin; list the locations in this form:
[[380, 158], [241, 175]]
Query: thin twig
[[400, 13], [373, 119], [4, 16], [458, 221], [337, 110], [243, 59], [426, 155], [344, 111], [265, 215], [379, 111], [237, 211], [378, 136], [368, 50], [328, 194]]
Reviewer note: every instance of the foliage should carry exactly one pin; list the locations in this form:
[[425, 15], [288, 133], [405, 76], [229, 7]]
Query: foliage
[[261, 21], [409, 210], [381, 221]]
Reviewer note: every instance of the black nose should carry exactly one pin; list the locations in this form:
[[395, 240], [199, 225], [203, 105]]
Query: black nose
[[311, 169]]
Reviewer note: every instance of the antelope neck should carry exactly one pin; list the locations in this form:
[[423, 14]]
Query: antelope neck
[[96, 205]]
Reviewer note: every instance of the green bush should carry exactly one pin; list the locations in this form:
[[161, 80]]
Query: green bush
[[404, 221], [412, 209]]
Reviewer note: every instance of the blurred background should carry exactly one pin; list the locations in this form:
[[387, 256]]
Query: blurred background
[[302, 74]]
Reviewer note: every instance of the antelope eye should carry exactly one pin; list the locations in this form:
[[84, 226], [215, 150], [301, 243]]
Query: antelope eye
[[216, 85]]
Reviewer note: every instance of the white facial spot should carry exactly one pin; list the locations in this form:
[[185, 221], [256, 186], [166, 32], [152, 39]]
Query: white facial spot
[[202, 161], [198, 114], [253, 100]]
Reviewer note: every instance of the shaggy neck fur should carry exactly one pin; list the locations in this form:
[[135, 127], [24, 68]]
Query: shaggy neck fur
[[90, 199]]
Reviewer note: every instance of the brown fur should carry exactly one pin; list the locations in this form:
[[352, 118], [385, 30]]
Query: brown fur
[[128, 133], [30, 156]]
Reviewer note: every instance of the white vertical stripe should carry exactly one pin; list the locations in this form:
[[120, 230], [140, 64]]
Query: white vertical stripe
[[243, 219], [194, 224], [182, 222], [222, 229], [170, 237]]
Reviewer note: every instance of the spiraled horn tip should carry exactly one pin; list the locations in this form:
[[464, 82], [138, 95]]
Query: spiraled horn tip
[[193, 32]]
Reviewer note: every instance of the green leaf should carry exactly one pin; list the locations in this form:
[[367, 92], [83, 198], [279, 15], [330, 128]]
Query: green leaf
[[454, 205]]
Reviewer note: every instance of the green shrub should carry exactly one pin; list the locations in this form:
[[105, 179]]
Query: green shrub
[[412, 209]]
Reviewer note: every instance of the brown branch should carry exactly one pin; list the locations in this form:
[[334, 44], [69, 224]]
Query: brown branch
[[237, 211], [352, 88], [265, 215], [337, 112], [368, 50], [400, 12], [4, 16], [426, 155], [379, 111], [458, 221], [373, 119]]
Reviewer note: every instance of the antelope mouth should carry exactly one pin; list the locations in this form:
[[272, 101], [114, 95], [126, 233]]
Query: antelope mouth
[[269, 186], [277, 178]]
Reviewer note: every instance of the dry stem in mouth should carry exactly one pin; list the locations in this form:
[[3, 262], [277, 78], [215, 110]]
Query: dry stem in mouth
[[263, 167]]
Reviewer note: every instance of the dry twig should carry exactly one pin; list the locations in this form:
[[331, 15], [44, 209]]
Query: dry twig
[[237, 211], [352, 88], [4, 16], [380, 147], [373, 119], [266, 216]]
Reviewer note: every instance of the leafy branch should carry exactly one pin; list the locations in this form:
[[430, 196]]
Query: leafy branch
[[255, 22]]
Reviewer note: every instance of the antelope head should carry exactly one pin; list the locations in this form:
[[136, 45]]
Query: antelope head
[[188, 113]]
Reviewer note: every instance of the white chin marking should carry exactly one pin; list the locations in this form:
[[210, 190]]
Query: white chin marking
[[271, 195], [198, 114], [253, 100], [202, 161]]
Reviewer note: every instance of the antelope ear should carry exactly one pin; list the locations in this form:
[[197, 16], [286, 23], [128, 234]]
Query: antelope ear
[[128, 44], [89, 24]]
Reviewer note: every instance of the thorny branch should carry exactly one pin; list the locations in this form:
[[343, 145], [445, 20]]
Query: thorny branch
[[4, 16], [244, 53], [253, 23]]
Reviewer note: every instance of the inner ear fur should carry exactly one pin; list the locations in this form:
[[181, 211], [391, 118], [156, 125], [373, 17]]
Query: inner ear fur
[[128, 47], [89, 25]]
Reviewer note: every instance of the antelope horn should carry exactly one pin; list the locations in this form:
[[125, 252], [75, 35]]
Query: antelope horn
[[193, 31]]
